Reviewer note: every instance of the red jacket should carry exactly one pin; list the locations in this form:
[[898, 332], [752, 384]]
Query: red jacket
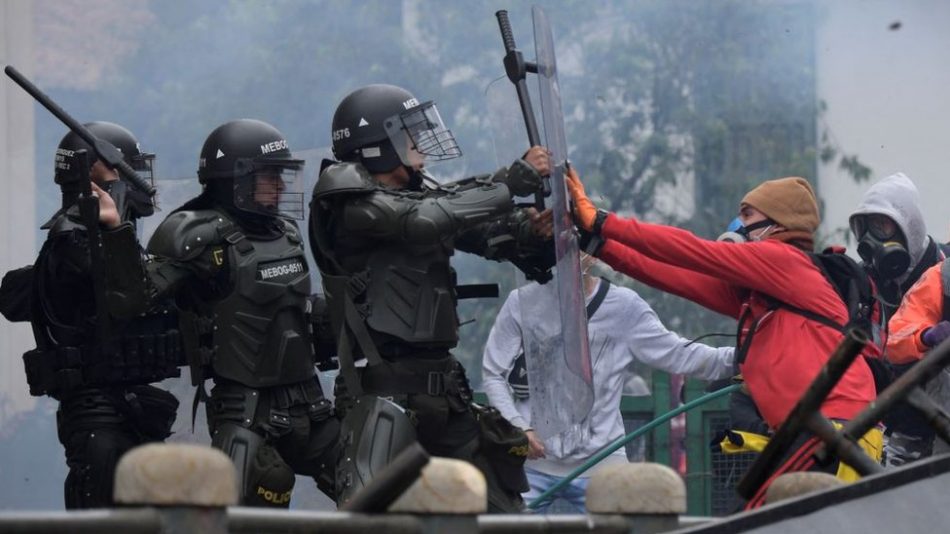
[[787, 350]]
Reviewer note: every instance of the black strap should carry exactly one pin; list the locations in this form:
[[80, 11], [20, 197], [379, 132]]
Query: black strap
[[599, 297], [744, 343], [353, 325], [235, 237], [742, 349], [476, 291], [930, 257]]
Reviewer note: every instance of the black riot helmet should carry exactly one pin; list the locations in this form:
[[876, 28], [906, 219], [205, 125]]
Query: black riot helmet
[[247, 164], [384, 126], [130, 202], [119, 136]]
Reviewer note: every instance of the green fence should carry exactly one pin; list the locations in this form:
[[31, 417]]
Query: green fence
[[710, 477]]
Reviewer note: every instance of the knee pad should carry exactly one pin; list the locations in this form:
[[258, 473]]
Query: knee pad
[[271, 480], [263, 476], [372, 433]]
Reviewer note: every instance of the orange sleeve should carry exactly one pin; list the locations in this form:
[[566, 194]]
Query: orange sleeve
[[921, 308]]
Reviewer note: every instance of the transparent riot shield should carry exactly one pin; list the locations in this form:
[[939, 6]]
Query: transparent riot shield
[[553, 316], [561, 372]]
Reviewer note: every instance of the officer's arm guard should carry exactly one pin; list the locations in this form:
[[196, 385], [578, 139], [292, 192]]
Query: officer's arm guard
[[126, 282], [425, 218], [511, 239]]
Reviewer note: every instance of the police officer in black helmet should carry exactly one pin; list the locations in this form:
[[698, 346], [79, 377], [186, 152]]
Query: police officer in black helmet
[[234, 260], [382, 232], [98, 368]]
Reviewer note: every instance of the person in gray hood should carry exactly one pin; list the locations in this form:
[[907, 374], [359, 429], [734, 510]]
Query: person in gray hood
[[893, 242], [892, 237]]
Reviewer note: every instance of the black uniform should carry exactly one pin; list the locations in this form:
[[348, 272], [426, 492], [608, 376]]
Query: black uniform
[[100, 376], [239, 276], [384, 255]]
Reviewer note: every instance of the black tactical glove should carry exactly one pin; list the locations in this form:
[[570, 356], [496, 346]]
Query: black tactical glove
[[521, 178]]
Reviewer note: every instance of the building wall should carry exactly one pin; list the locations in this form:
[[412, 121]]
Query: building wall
[[17, 197], [886, 91]]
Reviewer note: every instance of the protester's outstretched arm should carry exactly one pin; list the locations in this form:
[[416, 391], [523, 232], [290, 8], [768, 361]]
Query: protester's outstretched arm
[[703, 289], [760, 266]]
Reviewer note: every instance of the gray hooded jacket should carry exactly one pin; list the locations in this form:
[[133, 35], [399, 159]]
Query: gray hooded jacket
[[896, 197]]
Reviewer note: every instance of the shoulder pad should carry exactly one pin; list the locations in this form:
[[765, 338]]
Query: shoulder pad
[[344, 178], [291, 230], [65, 222], [184, 234]]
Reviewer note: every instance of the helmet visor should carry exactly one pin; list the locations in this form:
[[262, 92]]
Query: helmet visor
[[271, 190], [144, 165], [419, 136]]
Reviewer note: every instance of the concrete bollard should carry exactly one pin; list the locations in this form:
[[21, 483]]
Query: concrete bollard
[[794, 484], [192, 485], [450, 493], [650, 495]]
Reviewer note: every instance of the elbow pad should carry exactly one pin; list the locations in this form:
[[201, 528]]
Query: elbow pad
[[435, 218]]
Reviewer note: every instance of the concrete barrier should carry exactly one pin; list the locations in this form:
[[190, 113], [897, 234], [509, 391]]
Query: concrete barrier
[[650, 495], [193, 485], [794, 484]]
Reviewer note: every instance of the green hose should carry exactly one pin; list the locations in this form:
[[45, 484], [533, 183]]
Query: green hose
[[620, 442]]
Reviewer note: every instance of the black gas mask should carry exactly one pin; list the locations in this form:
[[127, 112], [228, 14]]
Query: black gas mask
[[881, 245]]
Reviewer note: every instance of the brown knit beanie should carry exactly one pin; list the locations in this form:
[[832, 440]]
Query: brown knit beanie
[[789, 202]]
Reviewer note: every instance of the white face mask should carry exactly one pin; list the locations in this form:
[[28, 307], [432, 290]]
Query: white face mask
[[741, 235]]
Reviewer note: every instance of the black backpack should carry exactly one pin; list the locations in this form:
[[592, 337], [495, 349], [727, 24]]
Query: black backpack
[[851, 282]]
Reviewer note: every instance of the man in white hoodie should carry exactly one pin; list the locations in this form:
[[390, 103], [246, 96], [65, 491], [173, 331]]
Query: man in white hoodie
[[622, 329], [893, 242]]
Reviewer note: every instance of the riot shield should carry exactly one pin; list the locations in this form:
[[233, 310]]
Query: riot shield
[[553, 316], [566, 368]]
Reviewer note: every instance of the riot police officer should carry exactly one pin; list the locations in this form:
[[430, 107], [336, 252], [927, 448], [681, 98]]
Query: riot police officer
[[98, 368], [382, 233], [234, 260]]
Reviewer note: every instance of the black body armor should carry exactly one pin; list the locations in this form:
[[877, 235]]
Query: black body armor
[[390, 250], [145, 348], [246, 313]]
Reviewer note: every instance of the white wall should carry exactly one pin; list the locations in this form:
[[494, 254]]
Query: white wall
[[17, 197], [888, 95]]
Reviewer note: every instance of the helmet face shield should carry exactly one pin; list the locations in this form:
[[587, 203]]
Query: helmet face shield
[[419, 136], [271, 190], [144, 164]]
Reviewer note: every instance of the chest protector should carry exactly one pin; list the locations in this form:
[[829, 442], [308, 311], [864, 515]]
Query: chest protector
[[259, 328], [405, 294], [69, 355]]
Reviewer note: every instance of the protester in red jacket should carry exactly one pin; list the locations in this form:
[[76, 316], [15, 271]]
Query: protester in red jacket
[[740, 280]]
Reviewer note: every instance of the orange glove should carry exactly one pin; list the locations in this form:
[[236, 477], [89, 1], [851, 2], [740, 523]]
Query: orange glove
[[584, 210]]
